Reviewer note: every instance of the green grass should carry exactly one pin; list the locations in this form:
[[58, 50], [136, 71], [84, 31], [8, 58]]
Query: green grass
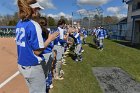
[[79, 78]]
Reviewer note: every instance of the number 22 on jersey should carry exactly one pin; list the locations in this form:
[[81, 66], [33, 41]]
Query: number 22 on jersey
[[20, 35]]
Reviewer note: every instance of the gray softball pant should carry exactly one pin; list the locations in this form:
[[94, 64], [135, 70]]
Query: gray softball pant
[[34, 77]]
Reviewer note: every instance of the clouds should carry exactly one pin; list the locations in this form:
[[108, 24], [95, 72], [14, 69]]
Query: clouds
[[82, 11], [92, 2], [113, 9], [110, 10], [85, 12], [117, 11], [121, 15], [47, 4], [56, 16]]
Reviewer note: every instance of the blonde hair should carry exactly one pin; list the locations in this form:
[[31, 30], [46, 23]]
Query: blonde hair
[[25, 11]]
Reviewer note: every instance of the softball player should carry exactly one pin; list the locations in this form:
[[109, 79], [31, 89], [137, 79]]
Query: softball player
[[101, 35], [58, 48], [78, 46], [84, 32], [95, 37], [47, 53], [30, 44]]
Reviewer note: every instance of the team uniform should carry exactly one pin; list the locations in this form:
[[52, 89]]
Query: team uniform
[[78, 46], [95, 37], [101, 34], [29, 39], [64, 47], [47, 55], [84, 32], [58, 48]]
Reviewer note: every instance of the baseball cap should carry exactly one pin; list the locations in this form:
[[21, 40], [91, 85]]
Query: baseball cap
[[36, 5]]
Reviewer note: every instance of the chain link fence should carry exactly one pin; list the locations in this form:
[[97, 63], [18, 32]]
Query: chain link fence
[[119, 31], [114, 31]]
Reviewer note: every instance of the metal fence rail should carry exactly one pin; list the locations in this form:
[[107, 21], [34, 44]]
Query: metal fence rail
[[7, 31], [114, 31]]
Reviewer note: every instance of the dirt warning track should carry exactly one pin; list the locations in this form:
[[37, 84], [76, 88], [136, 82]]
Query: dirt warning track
[[11, 80]]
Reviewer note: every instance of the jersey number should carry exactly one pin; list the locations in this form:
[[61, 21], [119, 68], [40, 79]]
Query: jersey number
[[20, 34]]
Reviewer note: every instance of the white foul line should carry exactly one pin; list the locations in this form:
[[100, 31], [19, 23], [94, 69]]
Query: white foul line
[[9, 79]]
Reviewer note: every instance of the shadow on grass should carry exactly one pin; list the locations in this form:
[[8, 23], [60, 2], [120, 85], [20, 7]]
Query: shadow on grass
[[92, 45], [72, 56], [127, 43]]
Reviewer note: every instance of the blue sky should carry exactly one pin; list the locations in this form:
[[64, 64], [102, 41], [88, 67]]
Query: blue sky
[[56, 8]]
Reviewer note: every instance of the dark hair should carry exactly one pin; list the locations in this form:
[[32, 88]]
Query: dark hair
[[61, 22], [43, 23]]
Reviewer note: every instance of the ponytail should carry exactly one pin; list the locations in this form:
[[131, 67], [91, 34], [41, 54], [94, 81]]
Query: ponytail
[[25, 11]]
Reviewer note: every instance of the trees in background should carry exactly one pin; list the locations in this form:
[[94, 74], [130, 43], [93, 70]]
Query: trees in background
[[11, 20], [98, 20], [111, 20], [51, 21]]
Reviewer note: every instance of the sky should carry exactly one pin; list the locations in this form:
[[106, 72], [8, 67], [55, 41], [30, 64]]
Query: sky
[[57, 8]]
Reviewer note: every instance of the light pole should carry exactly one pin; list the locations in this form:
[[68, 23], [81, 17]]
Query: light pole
[[100, 13], [72, 19]]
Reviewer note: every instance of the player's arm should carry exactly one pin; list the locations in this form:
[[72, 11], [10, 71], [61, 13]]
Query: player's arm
[[46, 43], [66, 36], [36, 40]]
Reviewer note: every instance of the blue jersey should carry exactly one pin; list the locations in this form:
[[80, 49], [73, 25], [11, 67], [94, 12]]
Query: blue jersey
[[49, 47], [85, 33], [81, 30], [77, 38], [28, 39], [96, 32], [101, 33], [105, 33], [60, 38]]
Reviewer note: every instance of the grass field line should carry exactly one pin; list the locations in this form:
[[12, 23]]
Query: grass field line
[[9, 79]]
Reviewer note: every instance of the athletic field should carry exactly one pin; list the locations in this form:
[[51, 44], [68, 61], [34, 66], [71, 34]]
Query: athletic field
[[78, 77]]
